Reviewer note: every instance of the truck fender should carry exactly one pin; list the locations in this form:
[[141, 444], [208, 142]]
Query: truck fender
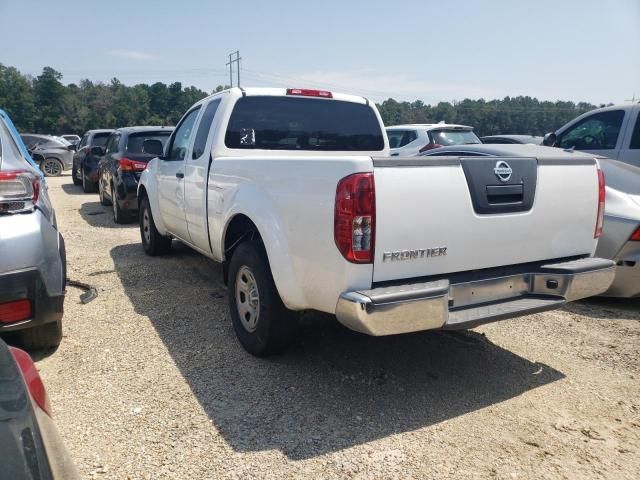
[[254, 203], [149, 184]]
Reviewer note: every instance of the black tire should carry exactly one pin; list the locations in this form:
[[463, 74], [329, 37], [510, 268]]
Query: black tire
[[153, 243], [120, 216], [44, 336], [74, 176], [103, 200], [87, 186], [274, 327], [52, 167]]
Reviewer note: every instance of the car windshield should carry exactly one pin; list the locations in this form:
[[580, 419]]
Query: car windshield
[[453, 137], [144, 142], [295, 123]]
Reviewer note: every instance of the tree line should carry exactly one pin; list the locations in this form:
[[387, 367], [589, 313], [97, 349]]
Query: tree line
[[43, 104]]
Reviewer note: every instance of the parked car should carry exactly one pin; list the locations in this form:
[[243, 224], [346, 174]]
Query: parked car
[[85, 161], [612, 132], [31, 446], [125, 157], [53, 156], [620, 238], [32, 257], [410, 140], [294, 192], [73, 139], [509, 139]]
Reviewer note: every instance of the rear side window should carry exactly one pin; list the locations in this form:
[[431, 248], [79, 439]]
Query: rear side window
[[100, 139], [400, 138], [306, 124], [203, 129], [151, 143], [635, 138]]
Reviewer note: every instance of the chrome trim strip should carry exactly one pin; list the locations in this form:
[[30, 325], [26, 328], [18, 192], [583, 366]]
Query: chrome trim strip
[[566, 161]]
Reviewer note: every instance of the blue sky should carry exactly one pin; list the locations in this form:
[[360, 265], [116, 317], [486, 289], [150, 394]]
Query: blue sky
[[424, 49]]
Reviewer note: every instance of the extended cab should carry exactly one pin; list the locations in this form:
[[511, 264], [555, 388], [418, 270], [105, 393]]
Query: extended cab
[[294, 192], [612, 132]]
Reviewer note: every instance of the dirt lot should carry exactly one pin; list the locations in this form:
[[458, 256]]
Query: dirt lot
[[150, 382]]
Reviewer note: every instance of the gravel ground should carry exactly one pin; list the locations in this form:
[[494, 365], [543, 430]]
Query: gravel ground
[[150, 382]]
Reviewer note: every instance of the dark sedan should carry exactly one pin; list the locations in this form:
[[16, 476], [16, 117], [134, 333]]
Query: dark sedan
[[30, 445], [85, 161], [126, 155]]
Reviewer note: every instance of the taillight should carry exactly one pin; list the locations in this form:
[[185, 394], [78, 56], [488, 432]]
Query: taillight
[[354, 224], [636, 235], [601, 197], [128, 165], [31, 379], [15, 311], [19, 191], [305, 92], [430, 146]]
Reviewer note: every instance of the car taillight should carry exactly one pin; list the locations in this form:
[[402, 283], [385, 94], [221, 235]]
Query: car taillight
[[636, 235], [31, 379], [15, 311], [19, 191], [354, 225], [305, 92], [430, 146], [601, 197], [128, 165]]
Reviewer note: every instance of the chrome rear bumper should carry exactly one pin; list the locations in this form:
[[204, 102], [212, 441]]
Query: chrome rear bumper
[[441, 304]]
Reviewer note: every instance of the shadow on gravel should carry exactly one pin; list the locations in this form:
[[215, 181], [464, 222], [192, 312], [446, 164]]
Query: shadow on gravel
[[98, 215], [71, 189], [607, 308], [335, 388]]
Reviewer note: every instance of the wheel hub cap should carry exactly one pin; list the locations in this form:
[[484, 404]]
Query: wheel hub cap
[[247, 298], [52, 168]]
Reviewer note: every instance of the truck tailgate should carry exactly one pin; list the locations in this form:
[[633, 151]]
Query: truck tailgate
[[447, 214]]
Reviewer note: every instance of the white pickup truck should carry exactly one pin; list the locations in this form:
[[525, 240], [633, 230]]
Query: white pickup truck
[[294, 192]]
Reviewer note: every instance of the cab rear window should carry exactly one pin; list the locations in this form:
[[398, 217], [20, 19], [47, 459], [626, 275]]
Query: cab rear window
[[306, 124]]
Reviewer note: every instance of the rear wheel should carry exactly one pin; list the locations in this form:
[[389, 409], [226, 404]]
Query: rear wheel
[[262, 323], [74, 175], [119, 215], [152, 242], [48, 335], [87, 186], [103, 199], [52, 167]]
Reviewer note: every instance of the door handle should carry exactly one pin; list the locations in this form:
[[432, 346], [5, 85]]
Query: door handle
[[179, 174]]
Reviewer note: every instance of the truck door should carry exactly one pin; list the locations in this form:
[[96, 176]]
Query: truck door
[[599, 133], [630, 151], [171, 169], [197, 167]]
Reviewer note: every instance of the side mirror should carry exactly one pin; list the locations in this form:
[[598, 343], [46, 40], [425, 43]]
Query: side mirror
[[549, 139], [72, 147], [98, 151]]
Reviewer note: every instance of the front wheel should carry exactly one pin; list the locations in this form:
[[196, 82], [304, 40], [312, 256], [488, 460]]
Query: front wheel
[[153, 243], [87, 186], [262, 323], [52, 167], [103, 199], [74, 176]]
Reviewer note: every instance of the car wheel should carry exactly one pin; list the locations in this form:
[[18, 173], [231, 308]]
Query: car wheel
[[74, 175], [119, 215], [262, 323], [87, 186], [153, 243], [103, 199], [52, 167], [48, 335]]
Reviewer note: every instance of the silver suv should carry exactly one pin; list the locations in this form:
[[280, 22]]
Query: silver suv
[[32, 252], [53, 154]]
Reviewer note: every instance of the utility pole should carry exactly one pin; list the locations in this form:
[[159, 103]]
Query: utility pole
[[234, 57]]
